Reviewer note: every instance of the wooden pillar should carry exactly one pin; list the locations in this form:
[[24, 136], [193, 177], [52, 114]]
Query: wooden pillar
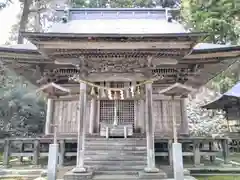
[[150, 131], [174, 121], [141, 115], [136, 119], [211, 148], [184, 122], [170, 157], [97, 116], [61, 153], [92, 116], [36, 152], [81, 129], [196, 152], [6, 152], [21, 151], [49, 116], [225, 151]]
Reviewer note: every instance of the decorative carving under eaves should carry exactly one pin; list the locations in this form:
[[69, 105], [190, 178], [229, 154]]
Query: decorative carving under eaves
[[179, 75], [58, 74], [118, 65]]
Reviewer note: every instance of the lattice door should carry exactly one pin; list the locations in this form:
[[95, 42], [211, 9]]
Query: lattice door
[[125, 111]]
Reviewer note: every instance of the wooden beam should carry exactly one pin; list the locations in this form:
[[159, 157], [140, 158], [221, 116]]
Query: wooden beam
[[213, 55], [26, 61], [113, 45], [18, 56]]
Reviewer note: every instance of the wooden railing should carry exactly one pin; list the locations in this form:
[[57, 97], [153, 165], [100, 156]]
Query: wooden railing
[[195, 147]]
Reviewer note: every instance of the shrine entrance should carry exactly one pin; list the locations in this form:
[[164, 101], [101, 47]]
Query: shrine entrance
[[117, 117]]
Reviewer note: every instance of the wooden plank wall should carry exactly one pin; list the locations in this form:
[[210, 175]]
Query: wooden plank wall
[[66, 116], [162, 115]]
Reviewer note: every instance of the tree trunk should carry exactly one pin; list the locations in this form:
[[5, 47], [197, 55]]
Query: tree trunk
[[24, 19], [37, 17]]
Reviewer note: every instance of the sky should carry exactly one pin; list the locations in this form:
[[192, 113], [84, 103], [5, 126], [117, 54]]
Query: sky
[[8, 17]]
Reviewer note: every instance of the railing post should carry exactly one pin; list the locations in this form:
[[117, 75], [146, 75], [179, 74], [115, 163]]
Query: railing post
[[36, 152], [196, 152], [225, 150], [61, 153], [6, 152], [211, 149]]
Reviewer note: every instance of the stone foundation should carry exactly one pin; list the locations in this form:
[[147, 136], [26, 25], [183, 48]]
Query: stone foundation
[[147, 175], [78, 176]]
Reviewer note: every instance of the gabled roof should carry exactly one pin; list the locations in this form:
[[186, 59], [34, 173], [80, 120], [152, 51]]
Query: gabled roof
[[229, 99], [119, 26], [116, 13], [29, 47], [117, 21], [205, 46]]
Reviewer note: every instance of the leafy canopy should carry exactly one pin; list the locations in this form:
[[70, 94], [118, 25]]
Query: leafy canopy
[[217, 17]]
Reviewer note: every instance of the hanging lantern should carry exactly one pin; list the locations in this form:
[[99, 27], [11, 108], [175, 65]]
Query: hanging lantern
[[122, 94]]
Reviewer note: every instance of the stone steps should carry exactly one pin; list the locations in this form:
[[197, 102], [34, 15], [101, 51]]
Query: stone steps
[[115, 163], [122, 152], [116, 156], [117, 143], [115, 177], [114, 153], [116, 173], [123, 167], [118, 147], [110, 139]]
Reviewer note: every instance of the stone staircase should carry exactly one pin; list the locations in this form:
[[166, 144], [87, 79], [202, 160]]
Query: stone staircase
[[115, 156]]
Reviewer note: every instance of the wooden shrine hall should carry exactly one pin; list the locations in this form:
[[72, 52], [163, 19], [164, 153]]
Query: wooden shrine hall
[[103, 71]]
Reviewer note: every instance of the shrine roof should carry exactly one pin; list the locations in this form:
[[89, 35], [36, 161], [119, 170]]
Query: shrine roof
[[21, 48], [117, 21], [116, 13], [198, 49], [119, 26], [227, 100]]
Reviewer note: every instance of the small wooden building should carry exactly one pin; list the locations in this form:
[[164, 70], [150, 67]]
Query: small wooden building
[[121, 58], [230, 103]]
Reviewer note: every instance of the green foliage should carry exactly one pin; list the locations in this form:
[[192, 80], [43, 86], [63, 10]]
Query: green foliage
[[220, 18], [123, 3], [22, 112], [218, 178], [217, 17], [224, 81], [4, 4]]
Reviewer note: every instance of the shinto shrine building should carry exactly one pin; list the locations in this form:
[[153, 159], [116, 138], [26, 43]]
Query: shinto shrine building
[[114, 63]]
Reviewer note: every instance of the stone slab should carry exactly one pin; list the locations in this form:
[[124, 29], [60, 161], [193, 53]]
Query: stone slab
[[227, 165], [186, 172], [177, 161], [70, 175], [199, 165], [147, 175], [52, 162]]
